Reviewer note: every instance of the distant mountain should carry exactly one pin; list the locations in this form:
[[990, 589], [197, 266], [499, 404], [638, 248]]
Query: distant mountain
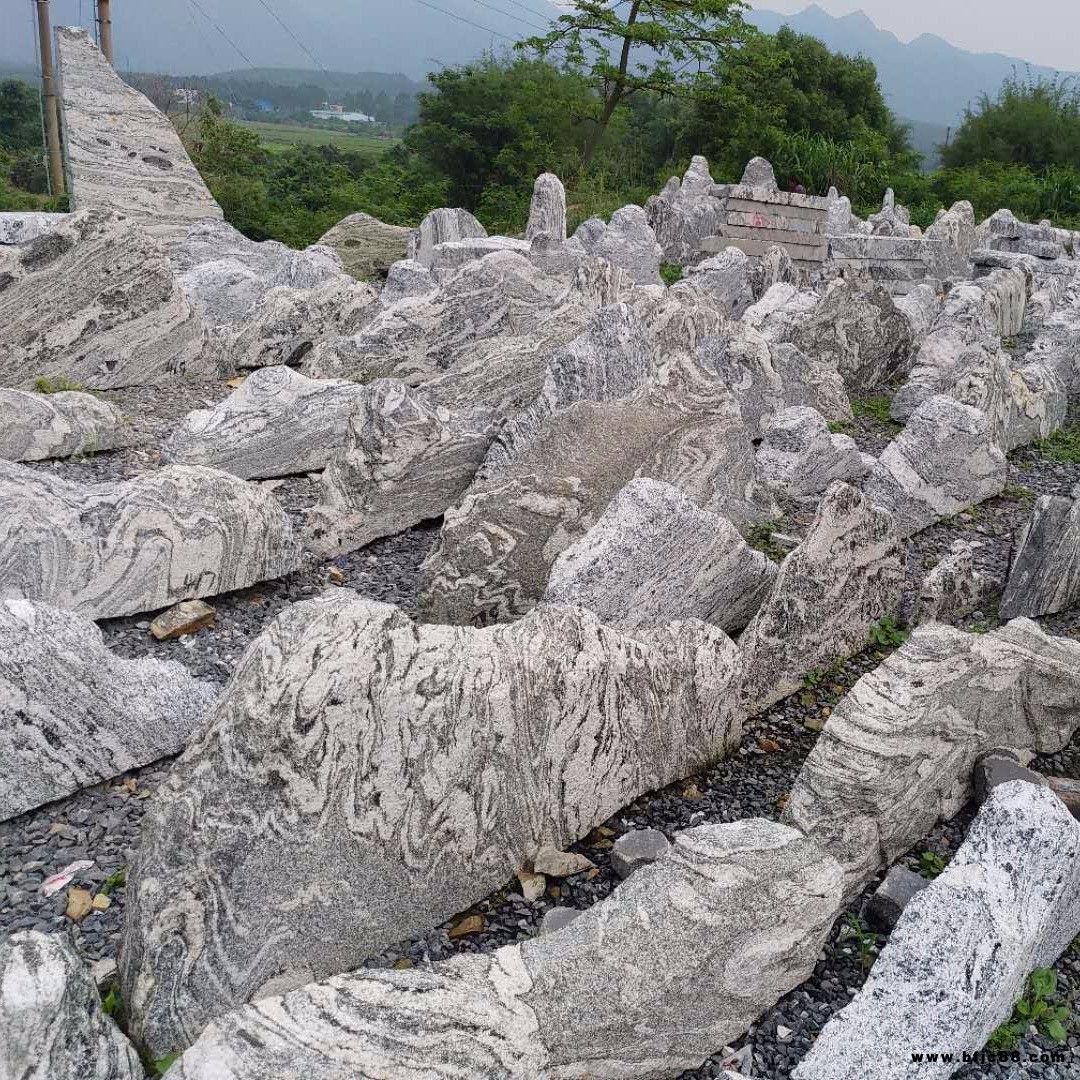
[[926, 80], [348, 81]]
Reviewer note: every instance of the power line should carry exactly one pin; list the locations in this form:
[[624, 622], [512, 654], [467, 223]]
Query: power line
[[467, 22], [307, 52], [506, 14], [199, 31], [548, 17], [199, 8]]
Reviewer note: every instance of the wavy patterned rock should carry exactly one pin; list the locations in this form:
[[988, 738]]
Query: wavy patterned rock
[[921, 306], [17, 228], [897, 752], [799, 457], [951, 589], [276, 423], [454, 254], [95, 301], [34, 427], [208, 241], [942, 462], [407, 278], [643, 984], [223, 291], [384, 775], [1045, 573], [547, 211], [654, 557], [781, 311], [546, 489], [627, 241], [308, 269], [121, 153], [140, 544], [1038, 405], [773, 268], [956, 227], [286, 323], [958, 960], [51, 1016], [439, 227], [365, 244], [860, 333], [724, 279], [73, 714], [684, 213], [847, 573]]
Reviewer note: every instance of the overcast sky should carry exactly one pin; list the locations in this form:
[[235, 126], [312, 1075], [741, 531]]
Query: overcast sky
[[1043, 31]]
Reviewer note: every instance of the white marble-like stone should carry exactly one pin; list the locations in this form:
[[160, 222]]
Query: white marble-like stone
[[1045, 574], [35, 426], [799, 457], [439, 227]]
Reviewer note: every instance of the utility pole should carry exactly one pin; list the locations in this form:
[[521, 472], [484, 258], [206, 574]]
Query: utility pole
[[104, 20], [48, 91]]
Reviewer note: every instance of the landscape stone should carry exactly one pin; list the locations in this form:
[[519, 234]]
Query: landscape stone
[[993, 769], [418, 725], [124, 546], [956, 227], [314, 266], [774, 267], [223, 291], [406, 277], [1068, 791], [684, 213], [276, 423], [210, 240], [35, 427], [724, 278], [51, 1016], [628, 242], [366, 245], [798, 456], [959, 958], [846, 575], [781, 311], [547, 212], [655, 557], [1045, 574], [72, 713], [95, 301], [941, 463], [637, 848], [646, 983], [453, 254], [759, 174], [18, 227], [438, 227], [120, 152], [883, 910], [898, 751], [952, 589]]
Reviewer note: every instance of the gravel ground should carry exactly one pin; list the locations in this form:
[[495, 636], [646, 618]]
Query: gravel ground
[[101, 823]]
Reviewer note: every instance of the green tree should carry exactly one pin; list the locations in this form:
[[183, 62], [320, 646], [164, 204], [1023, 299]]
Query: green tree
[[1033, 122], [631, 47], [20, 117]]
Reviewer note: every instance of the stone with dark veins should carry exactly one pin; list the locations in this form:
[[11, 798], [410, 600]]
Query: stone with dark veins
[[35, 426]]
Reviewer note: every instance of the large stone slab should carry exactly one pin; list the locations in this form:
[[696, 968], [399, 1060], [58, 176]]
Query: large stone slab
[[120, 152], [95, 301], [439, 227], [366, 245], [846, 574], [34, 427], [547, 211], [72, 713], [799, 457], [1045, 573], [544, 486], [655, 557], [384, 775], [140, 544], [51, 1016], [646, 983], [958, 960], [897, 753], [277, 422]]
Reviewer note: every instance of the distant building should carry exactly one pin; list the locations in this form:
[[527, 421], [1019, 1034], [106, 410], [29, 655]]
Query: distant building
[[186, 95], [337, 113]]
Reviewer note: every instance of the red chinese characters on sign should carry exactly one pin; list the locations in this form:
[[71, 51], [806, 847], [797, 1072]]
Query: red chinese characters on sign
[[760, 221]]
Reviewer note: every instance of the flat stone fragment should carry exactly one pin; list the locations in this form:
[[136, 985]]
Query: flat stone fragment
[[993, 769], [1045, 574], [51, 1016], [547, 211], [187, 617], [883, 909], [655, 557], [847, 574], [120, 152], [897, 753], [952, 589], [95, 301], [447, 758], [557, 918], [798, 456], [646, 983], [957, 962], [117, 548], [276, 423], [35, 426], [559, 864], [439, 227], [365, 244], [636, 849], [72, 713], [941, 463]]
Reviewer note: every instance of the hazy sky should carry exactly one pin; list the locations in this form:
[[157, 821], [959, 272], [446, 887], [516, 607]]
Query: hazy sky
[[1043, 31]]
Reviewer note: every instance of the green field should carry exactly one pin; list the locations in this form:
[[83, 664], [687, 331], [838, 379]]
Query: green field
[[279, 137]]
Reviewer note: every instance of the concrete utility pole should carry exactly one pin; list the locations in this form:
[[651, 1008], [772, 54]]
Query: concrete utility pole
[[48, 91], [104, 20]]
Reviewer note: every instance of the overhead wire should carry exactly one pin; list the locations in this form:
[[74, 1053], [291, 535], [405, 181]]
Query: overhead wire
[[243, 56], [462, 19], [306, 51], [508, 15]]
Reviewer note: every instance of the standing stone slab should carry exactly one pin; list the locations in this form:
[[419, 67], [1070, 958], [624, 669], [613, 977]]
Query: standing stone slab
[[439, 227], [136, 545], [120, 152], [627, 241], [1008, 902], [384, 775], [846, 575], [72, 713], [941, 463], [655, 557], [1045, 573], [51, 1017], [647, 983], [276, 423], [547, 212], [365, 244], [34, 427], [897, 753], [95, 301]]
